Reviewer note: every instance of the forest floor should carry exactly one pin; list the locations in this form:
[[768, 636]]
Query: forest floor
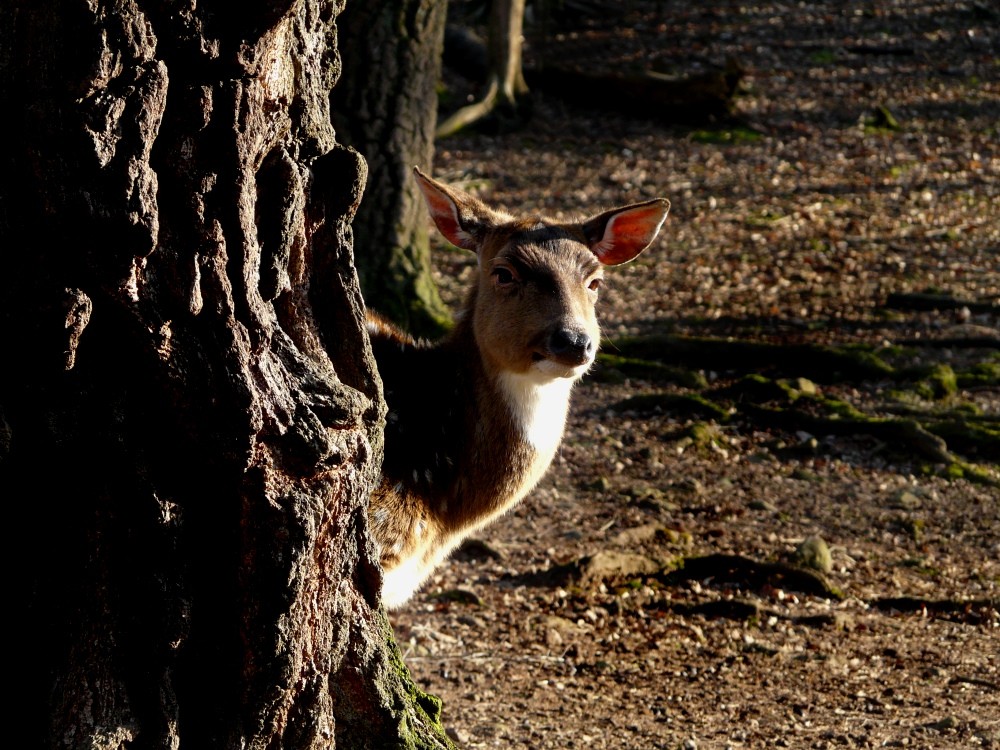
[[809, 351]]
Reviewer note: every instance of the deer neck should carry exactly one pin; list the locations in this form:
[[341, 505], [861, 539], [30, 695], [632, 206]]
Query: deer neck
[[519, 423], [537, 405], [534, 404]]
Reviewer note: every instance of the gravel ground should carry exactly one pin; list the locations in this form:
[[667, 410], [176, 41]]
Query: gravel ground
[[581, 619]]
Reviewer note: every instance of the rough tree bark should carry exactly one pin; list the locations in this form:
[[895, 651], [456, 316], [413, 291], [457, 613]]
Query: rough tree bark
[[385, 107], [190, 419]]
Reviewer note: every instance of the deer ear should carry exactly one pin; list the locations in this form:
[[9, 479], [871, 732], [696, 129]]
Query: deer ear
[[619, 235], [460, 217]]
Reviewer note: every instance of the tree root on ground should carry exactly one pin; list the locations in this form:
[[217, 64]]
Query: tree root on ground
[[932, 431]]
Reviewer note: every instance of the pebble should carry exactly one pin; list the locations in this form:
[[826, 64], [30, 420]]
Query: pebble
[[456, 735], [814, 553], [906, 499]]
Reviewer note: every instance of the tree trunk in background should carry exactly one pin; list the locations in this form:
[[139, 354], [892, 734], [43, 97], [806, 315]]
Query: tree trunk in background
[[506, 42], [386, 108], [506, 91], [190, 420]]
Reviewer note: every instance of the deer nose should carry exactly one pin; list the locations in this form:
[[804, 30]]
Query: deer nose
[[574, 346]]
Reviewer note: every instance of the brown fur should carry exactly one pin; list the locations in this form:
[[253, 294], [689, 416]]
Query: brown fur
[[475, 420]]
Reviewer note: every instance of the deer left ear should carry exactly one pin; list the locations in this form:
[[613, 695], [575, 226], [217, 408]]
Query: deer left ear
[[619, 235]]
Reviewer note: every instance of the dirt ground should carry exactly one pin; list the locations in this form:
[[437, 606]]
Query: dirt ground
[[648, 594]]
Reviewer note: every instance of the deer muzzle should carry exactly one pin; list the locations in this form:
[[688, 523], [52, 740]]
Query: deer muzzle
[[570, 347]]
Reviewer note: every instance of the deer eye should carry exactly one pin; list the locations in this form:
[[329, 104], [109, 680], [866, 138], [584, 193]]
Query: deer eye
[[595, 284], [503, 276]]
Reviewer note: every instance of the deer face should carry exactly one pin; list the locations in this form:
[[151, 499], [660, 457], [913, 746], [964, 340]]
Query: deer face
[[533, 307], [534, 310]]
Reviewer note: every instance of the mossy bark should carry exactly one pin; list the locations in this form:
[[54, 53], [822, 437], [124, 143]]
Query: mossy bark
[[190, 419]]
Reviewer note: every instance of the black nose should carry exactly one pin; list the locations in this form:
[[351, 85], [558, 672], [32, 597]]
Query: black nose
[[571, 345]]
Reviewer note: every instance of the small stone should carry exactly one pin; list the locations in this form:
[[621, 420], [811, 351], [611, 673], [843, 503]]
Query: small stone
[[814, 553], [459, 595], [689, 485], [804, 475], [763, 505], [478, 549], [601, 484], [640, 534], [608, 564], [906, 499], [806, 386], [948, 722], [456, 735]]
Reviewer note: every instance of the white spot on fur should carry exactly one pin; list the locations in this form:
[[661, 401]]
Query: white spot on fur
[[400, 583], [381, 515], [539, 404]]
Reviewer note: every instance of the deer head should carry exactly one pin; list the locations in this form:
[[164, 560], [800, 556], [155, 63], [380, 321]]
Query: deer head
[[533, 305]]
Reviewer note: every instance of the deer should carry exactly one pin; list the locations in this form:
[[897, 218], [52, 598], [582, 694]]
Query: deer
[[475, 419]]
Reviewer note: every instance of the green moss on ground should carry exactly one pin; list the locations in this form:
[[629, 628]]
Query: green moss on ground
[[928, 417], [651, 370], [823, 363]]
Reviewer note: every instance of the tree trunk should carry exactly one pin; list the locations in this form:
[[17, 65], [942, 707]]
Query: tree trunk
[[190, 419], [506, 30], [386, 108], [506, 91]]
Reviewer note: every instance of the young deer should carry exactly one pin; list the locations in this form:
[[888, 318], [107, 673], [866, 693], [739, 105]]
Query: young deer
[[474, 421]]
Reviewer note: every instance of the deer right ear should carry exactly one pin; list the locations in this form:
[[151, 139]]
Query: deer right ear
[[460, 217], [619, 235]]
